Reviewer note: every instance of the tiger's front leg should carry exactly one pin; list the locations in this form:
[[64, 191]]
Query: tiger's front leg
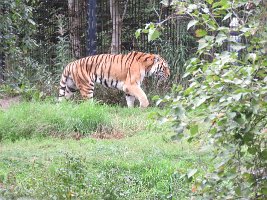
[[137, 92], [130, 100]]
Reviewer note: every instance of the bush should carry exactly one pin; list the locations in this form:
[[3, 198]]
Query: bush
[[231, 87]]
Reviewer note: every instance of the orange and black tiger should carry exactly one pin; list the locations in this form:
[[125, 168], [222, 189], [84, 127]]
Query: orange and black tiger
[[124, 72]]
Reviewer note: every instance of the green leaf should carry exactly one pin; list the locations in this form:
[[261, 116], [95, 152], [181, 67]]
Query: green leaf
[[191, 173], [192, 7], [137, 33], [200, 100], [188, 91], [209, 1], [193, 129], [227, 16], [145, 30], [153, 34], [155, 98], [200, 33], [252, 150], [202, 44], [238, 191], [32, 22], [264, 154], [220, 38], [191, 23], [224, 4], [264, 191], [237, 47]]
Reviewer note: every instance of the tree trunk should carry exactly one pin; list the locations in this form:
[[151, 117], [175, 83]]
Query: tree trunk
[[75, 39], [116, 27]]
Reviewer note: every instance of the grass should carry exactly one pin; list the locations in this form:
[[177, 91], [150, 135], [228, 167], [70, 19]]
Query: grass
[[40, 158]]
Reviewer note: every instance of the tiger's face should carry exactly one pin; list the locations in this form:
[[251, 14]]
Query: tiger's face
[[161, 68]]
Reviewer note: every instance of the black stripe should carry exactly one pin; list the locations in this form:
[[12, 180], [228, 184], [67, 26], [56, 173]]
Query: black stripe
[[86, 65], [101, 74], [95, 77], [109, 70], [139, 57], [116, 84], [72, 89], [133, 58], [105, 82], [128, 58], [97, 58], [121, 61]]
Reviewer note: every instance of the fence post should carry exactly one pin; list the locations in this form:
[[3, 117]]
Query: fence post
[[91, 27], [2, 63], [2, 67]]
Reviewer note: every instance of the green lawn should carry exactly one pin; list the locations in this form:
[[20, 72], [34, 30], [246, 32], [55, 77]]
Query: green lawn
[[55, 151]]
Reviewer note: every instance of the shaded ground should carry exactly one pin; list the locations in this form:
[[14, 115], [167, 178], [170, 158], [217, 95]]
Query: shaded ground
[[6, 102]]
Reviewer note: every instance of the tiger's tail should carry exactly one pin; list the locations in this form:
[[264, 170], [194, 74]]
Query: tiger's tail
[[63, 83]]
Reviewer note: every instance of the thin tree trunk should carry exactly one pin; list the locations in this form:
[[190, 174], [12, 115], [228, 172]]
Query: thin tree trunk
[[74, 13], [116, 27], [117, 20]]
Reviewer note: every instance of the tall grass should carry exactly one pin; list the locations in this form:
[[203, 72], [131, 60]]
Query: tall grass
[[40, 119], [69, 119]]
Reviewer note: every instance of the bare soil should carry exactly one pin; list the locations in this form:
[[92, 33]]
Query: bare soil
[[6, 102], [115, 135]]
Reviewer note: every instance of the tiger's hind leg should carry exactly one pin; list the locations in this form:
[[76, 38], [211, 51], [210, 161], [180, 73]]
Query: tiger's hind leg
[[70, 88], [87, 91], [67, 88]]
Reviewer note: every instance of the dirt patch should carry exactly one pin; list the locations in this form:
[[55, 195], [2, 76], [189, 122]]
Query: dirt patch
[[96, 135], [116, 135], [6, 102]]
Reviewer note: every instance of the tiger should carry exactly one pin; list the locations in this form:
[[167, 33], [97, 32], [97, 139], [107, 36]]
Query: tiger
[[120, 71]]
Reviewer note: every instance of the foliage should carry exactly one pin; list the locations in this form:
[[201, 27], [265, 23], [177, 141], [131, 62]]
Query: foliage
[[230, 87], [63, 45], [17, 28], [25, 73]]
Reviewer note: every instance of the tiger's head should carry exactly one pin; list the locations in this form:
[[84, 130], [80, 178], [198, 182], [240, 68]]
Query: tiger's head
[[160, 68]]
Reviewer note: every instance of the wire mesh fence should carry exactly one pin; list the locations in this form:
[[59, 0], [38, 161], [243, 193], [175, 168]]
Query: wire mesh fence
[[89, 27]]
